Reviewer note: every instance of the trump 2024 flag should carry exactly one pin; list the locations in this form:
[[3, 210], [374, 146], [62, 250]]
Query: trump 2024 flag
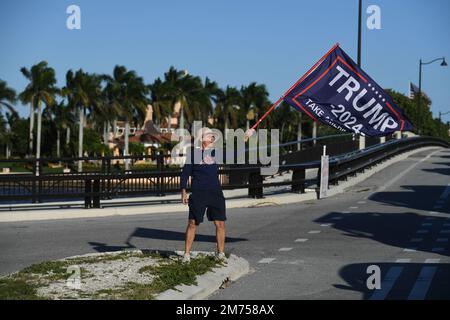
[[340, 94]]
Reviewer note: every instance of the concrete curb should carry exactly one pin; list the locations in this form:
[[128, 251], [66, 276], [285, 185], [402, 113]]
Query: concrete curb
[[209, 282], [279, 199]]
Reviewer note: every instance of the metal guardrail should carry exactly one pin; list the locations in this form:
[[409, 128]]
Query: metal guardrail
[[107, 184]]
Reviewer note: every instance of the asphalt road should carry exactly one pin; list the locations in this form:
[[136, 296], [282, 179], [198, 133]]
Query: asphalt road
[[398, 221]]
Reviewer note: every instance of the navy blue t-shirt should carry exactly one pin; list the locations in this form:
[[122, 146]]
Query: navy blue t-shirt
[[202, 166]]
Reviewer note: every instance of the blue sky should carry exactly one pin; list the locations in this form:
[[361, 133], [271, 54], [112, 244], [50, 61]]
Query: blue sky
[[233, 42]]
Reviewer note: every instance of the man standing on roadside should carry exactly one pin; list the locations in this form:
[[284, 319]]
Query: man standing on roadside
[[206, 192]]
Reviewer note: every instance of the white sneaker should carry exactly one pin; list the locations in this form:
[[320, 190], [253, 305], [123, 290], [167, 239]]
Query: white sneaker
[[186, 258], [220, 256]]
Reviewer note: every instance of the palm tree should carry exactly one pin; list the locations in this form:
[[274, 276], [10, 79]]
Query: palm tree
[[128, 94], [83, 91], [228, 106], [255, 97], [7, 96], [288, 120], [187, 91], [61, 116], [11, 118], [161, 102], [41, 89], [103, 112], [207, 98]]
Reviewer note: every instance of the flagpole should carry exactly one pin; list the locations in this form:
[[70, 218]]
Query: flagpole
[[293, 86]]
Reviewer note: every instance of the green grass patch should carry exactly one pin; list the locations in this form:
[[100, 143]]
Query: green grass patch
[[167, 274], [53, 269], [113, 257], [18, 288], [16, 167]]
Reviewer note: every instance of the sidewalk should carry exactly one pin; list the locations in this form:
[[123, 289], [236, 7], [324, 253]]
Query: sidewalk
[[274, 196]]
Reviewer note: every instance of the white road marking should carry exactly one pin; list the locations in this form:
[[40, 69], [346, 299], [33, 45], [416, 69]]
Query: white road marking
[[432, 260], [432, 212], [423, 282], [314, 231], [294, 262], [442, 240], [301, 240], [416, 239], [422, 231], [353, 207], [345, 211], [336, 218], [410, 249], [326, 225], [444, 231], [438, 249], [266, 260], [437, 207], [361, 202], [285, 249], [403, 260], [427, 224], [387, 283]]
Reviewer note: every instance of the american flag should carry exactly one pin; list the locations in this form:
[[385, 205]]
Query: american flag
[[413, 90]]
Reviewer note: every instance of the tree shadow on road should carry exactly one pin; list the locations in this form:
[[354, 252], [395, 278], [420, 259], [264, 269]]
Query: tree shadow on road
[[444, 171], [392, 229], [158, 234], [414, 197]]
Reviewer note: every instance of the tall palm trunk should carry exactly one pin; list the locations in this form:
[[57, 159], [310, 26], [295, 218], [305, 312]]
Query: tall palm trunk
[[31, 136], [127, 132], [181, 117], [80, 139], [108, 125], [105, 133], [67, 135], [39, 129], [314, 132], [38, 135], [226, 125], [299, 134], [58, 143]]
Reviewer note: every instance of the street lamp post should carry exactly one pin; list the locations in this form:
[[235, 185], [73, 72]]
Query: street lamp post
[[362, 139], [359, 31], [419, 110]]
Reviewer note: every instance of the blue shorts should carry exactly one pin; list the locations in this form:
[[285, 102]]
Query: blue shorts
[[211, 202]]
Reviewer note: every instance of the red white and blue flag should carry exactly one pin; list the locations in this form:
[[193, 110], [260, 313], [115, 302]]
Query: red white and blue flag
[[340, 94]]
